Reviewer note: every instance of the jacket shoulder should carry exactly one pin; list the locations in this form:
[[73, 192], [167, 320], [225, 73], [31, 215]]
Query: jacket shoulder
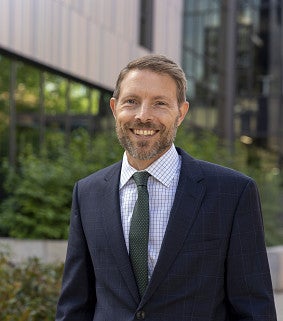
[[99, 176], [211, 171]]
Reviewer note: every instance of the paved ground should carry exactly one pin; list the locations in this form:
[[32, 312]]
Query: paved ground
[[279, 305]]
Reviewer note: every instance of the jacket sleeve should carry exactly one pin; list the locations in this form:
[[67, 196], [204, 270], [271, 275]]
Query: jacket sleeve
[[77, 299], [248, 281]]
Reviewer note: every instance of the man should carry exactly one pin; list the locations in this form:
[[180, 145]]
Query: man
[[203, 235]]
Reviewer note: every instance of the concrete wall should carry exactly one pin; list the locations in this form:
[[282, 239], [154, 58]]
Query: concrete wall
[[54, 251], [90, 39], [48, 251], [275, 257]]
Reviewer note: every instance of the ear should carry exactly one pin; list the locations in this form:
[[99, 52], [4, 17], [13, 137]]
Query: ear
[[183, 109], [113, 106]]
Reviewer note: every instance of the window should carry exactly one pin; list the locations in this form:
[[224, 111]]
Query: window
[[201, 34], [27, 105], [36, 103], [146, 23]]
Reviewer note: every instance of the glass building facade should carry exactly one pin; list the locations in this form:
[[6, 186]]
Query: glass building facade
[[200, 59], [59, 61], [232, 55], [36, 101]]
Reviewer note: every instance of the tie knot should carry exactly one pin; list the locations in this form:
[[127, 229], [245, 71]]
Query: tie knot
[[141, 178]]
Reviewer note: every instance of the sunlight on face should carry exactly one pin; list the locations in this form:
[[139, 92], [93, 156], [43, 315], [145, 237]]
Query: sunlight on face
[[147, 114]]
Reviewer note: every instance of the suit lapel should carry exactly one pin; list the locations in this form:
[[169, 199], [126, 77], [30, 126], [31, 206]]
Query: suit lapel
[[114, 230], [189, 195]]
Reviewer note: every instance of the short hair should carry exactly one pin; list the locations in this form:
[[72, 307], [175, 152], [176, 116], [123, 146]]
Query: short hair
[[159, 64]]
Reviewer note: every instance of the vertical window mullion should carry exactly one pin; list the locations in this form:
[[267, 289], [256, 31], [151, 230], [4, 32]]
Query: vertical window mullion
[[12, 111], [146, 24], [42, 109]]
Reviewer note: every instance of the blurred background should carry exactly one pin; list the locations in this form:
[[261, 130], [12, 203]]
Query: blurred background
[[59, 60]]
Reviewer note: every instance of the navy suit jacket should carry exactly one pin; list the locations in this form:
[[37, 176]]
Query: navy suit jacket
[[212, 264]]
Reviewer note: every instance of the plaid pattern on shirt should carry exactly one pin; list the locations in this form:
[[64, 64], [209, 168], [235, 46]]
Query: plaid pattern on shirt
[[162, 185]]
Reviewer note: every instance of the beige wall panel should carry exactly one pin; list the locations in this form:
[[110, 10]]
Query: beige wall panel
[[167, 26], [120, 16], [87, 8], [93, 54], [95, 13], [25, 29], [74, 41], [38, 29], [106, 13], [174, 32], [90, 39], [16, 23], [55, 31], [123, 54], [47, 36], [64, 39], [108, 57], [4, 23], [126, 18], [160, 26], [98, 11], [80, 63], [131, 22]]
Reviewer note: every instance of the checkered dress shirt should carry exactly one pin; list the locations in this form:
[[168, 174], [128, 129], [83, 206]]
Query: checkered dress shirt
[[162, 185]]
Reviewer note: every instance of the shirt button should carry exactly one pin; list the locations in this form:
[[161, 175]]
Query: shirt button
[[140, 315]]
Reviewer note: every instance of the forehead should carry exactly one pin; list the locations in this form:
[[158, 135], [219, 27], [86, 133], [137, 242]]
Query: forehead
[[148, 81]]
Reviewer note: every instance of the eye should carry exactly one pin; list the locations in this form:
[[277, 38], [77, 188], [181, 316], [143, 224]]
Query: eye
[[160, 103], [130, 101]]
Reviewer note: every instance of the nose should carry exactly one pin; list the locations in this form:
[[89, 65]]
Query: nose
[[144, 112]]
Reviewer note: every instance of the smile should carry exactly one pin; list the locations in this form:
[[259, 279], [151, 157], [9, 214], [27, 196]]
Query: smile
[[143, 132]]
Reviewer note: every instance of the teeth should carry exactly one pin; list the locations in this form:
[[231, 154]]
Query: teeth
[[144, 132]]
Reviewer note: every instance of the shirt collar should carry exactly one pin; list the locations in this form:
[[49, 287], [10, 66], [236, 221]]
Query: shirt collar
[[163, 169]]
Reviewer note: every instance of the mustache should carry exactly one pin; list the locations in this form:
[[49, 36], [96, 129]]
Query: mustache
[[140, 125]]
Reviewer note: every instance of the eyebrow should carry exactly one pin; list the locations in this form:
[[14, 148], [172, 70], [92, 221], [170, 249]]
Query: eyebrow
[[130, 96], [161, 97], [137, 96]]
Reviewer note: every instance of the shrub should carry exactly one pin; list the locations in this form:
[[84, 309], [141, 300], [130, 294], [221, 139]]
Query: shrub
[[29, 291], [257, 163], [40, 190]]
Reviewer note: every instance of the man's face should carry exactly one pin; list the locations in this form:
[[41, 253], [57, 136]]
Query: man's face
[[147, 115]]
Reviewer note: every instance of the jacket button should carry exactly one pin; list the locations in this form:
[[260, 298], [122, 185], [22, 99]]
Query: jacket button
[[140, 315]]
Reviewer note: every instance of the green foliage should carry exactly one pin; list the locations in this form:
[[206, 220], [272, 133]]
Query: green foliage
[[257, 163], [271, 197], [39, 192], [207, 146], [28, 291]]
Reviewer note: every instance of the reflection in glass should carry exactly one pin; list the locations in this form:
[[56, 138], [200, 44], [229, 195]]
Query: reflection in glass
[[36, 104], [27, 88], [55, 88], [79, 99], [201, 59], [27, 105], [94, 101]]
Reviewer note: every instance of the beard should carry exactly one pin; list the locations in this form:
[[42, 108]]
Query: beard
[[144, 149]]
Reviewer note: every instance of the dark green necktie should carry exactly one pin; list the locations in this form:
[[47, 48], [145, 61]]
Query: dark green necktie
[[138, 237]]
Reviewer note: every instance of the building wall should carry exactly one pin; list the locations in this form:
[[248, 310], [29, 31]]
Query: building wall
[[90, 39], [274, 81], [232, 57]]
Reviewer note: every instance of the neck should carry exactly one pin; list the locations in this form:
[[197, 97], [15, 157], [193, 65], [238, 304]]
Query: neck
[[141, 164]]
